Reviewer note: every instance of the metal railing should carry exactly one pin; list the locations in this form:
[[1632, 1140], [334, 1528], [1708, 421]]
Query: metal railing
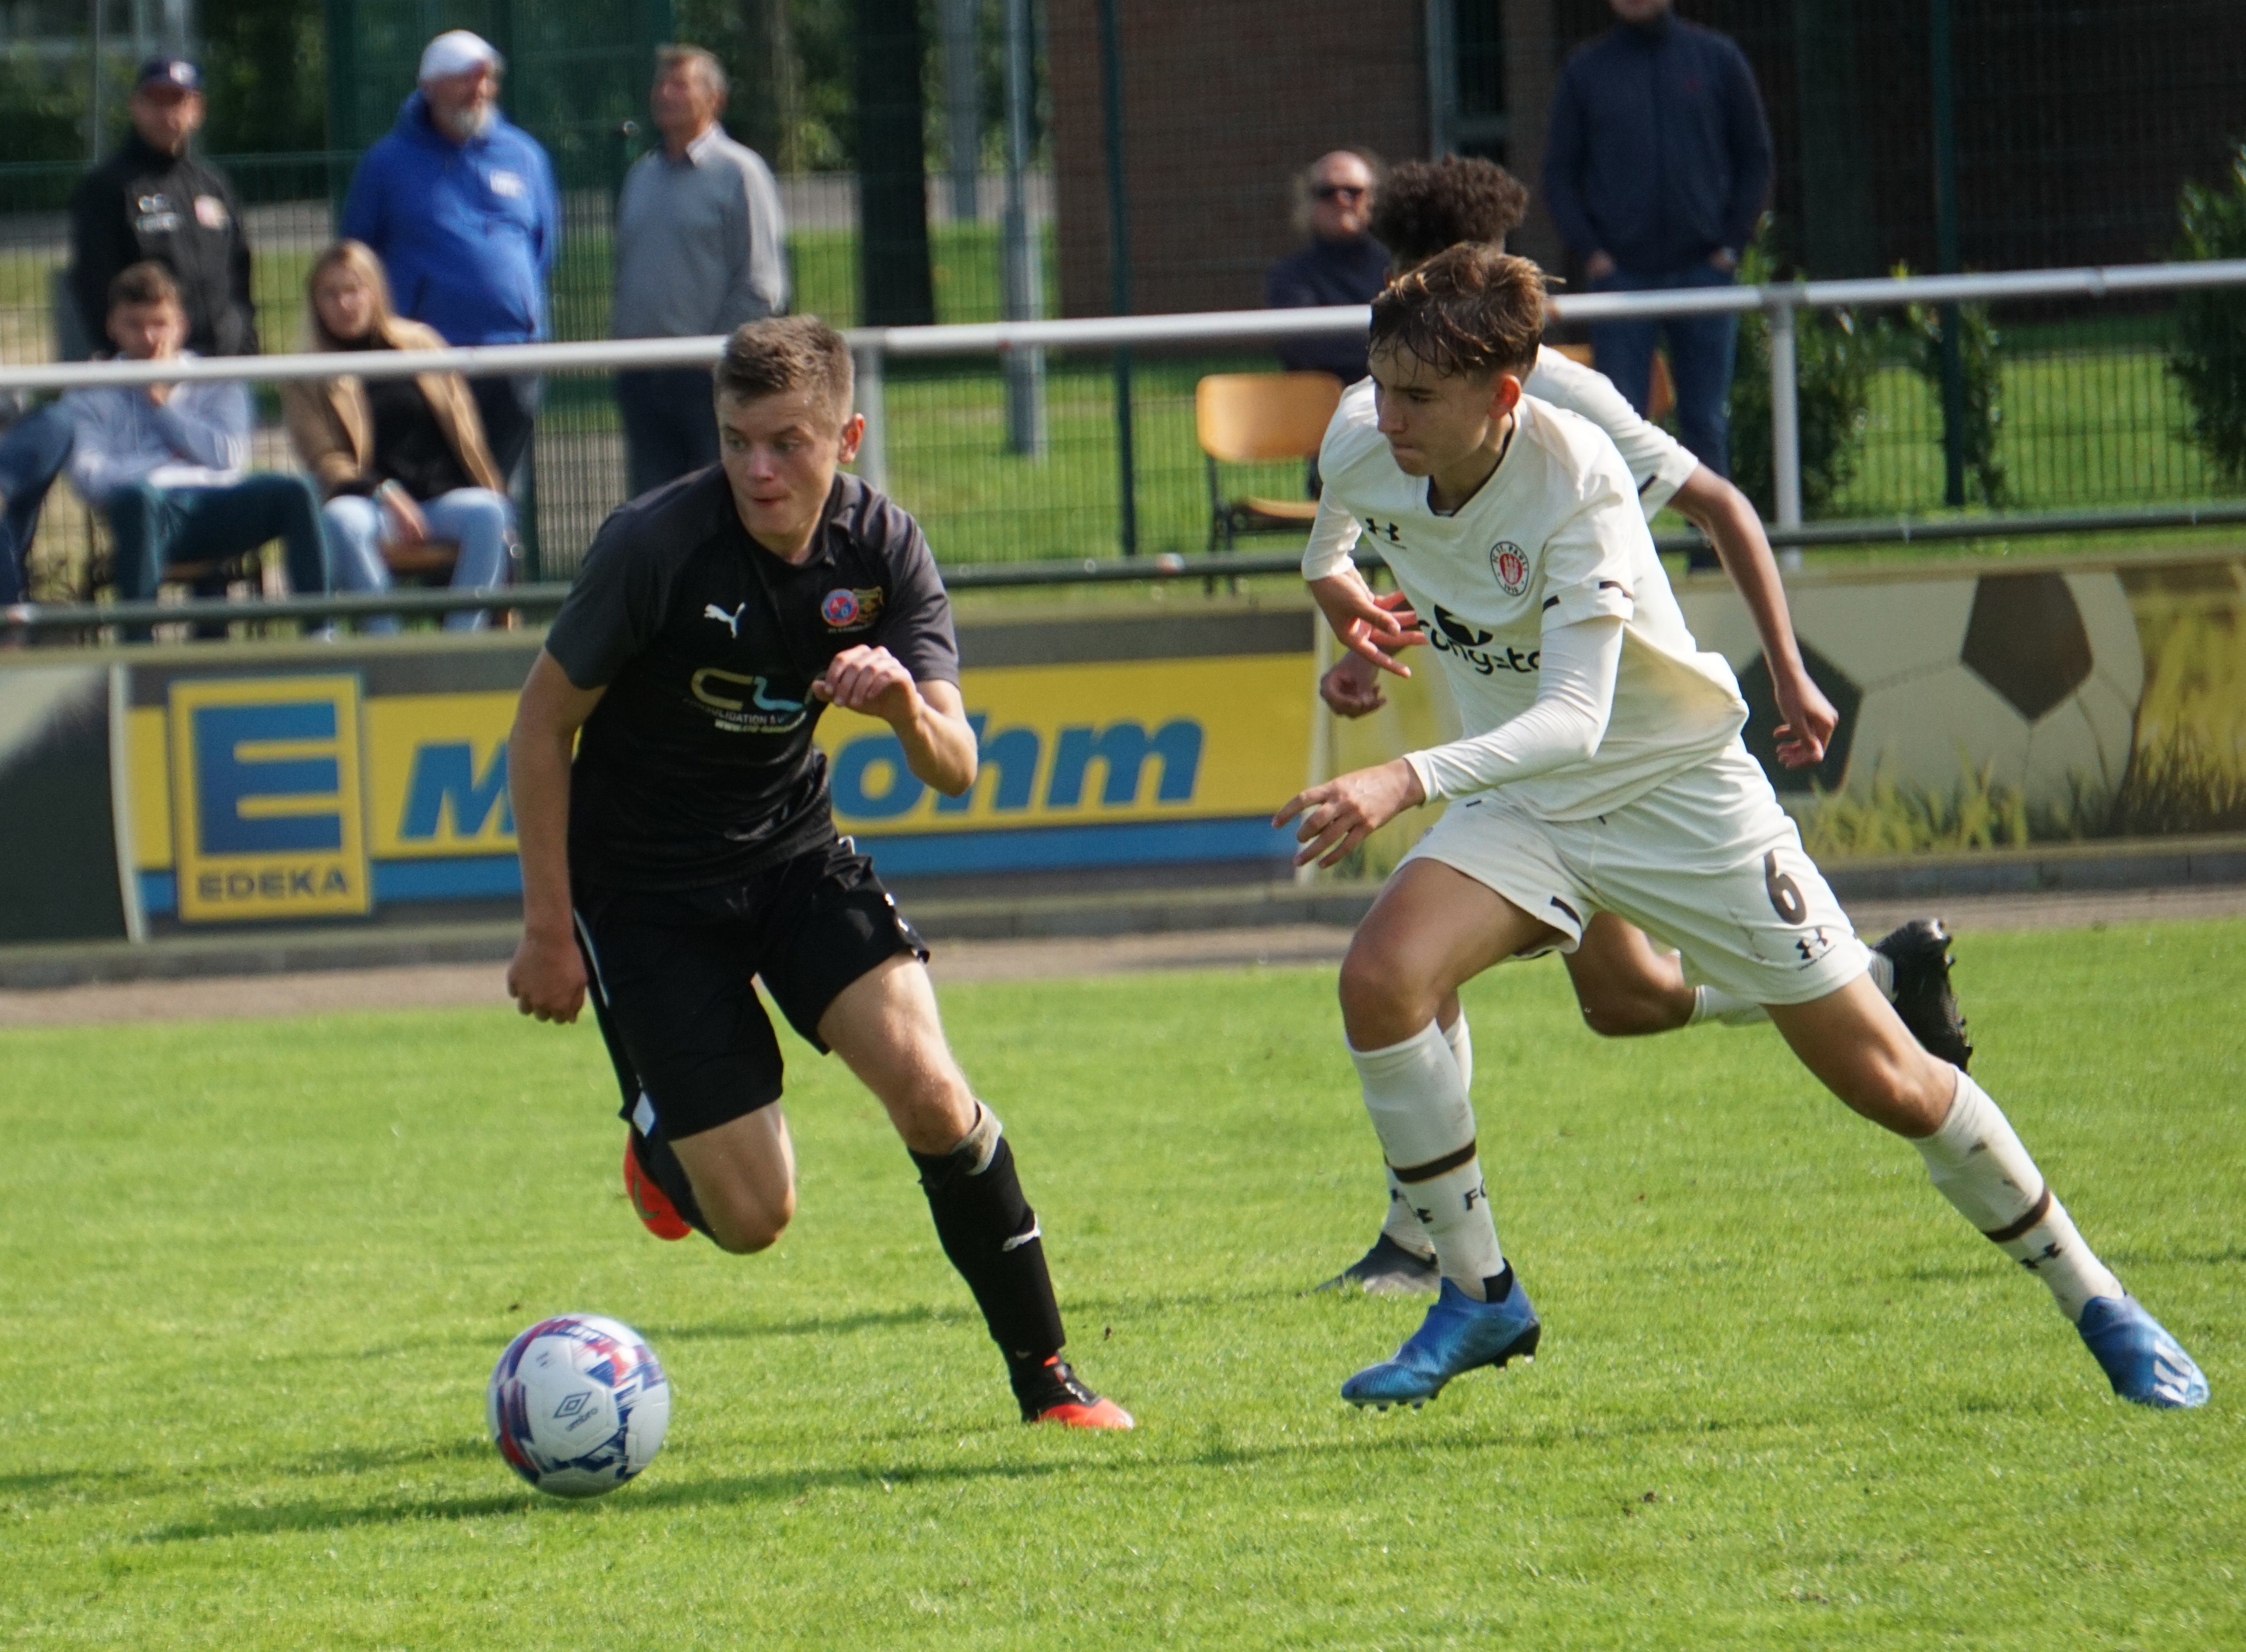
[[878, 350]]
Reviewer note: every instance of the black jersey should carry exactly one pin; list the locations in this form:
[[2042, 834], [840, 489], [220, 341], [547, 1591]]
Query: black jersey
[[698, 767]]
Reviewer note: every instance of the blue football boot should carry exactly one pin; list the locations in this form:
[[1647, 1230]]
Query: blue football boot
[[2142, 1360], [1458, 1335]]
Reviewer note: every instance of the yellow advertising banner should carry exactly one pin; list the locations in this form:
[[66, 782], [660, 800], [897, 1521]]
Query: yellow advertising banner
[[267, 809], [288, 796]]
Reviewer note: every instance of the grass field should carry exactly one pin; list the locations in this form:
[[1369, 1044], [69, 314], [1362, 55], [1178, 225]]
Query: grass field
[[255, 1275]]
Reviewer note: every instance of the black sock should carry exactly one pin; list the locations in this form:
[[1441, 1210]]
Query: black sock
[[991, 1234], [661, 1167], [1497, 1286]]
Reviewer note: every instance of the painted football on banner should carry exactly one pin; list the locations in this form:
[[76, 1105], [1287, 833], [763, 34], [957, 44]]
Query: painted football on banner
[[578, 1404], [2033, 676]]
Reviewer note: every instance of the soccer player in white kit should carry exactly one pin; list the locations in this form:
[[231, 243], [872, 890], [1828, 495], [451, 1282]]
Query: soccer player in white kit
[[1602, 770], [1627, 986]]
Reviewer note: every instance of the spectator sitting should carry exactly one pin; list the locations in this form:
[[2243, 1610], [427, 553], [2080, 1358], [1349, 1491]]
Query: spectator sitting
[[164, 462], [700, 249], [401, 461], [460, 207], [1342, 265], [33, 450]]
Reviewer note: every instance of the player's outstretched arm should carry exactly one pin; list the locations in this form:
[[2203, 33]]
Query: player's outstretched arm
[[1374, 627], [1727, 516], [548, 976], [929, 717]]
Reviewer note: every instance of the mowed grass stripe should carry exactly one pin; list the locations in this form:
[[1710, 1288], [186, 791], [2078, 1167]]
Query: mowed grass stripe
[[256, 1275]]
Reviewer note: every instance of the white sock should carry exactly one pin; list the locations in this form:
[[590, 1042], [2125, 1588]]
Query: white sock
[[1881, 968], [1978, 1164], [1426, 1128], [1402, 1226], [1713, 1003], [1461, 1044]]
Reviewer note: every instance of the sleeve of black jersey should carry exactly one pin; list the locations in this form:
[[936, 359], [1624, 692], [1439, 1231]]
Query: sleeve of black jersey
[[614, 609], [916, 626]]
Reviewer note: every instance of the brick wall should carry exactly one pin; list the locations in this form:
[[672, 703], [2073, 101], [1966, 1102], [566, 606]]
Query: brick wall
[[1225, 100]]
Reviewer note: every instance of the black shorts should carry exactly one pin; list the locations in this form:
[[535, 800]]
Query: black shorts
[[692, 1046]]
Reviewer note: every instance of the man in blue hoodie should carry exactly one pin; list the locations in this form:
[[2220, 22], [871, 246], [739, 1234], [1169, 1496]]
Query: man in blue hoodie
[[1657, 167], [460, 207]]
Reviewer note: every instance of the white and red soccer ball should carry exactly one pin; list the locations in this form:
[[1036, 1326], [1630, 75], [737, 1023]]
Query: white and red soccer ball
[[578, 1404]]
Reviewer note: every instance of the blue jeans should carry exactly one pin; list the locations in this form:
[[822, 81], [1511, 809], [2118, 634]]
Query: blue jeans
[[33, 454], [157, 527], [1700, 351], [671, 424], [475, 519]]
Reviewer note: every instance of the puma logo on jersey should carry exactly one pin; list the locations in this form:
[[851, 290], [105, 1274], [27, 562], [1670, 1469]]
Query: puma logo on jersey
[[731, 622]]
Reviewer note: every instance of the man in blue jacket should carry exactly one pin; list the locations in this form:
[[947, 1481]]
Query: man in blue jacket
[[1656, 169], [460, 207]]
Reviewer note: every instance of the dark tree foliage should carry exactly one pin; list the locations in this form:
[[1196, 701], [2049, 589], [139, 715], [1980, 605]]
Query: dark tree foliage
[[2209, 356]]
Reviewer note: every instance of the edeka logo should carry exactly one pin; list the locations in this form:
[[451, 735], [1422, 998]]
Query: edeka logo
[[267, 814]]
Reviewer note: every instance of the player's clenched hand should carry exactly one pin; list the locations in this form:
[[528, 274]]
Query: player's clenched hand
[[1351, 687], [1375, 628], [1810, 719], [548, 977], [1341, 814], [871, 680]]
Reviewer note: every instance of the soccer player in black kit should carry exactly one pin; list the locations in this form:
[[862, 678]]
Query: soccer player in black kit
[[690, 845]]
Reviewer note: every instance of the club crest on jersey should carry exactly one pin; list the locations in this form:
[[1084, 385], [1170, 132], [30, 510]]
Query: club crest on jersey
[[851, 610], [1510, 564]]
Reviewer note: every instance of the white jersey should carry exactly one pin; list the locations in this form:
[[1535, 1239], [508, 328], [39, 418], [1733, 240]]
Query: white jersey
[[1554, 536], [1659, 463]]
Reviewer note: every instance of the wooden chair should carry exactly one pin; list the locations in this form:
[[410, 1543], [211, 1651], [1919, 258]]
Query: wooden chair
[[1248, 419], [1661, 393]]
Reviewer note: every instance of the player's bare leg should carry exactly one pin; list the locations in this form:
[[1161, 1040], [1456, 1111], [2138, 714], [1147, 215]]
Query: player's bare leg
[[743, 1173], [886, 1027], [1431, 929], [1854, 1043], [1628, 987]]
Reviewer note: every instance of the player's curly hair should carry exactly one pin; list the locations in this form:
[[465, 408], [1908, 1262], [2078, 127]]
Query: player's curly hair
[[1470, 310], [784, 353], [1426, 206]]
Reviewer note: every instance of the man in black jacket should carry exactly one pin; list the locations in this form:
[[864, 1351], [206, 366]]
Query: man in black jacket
[[151, 199], [1656, 167]]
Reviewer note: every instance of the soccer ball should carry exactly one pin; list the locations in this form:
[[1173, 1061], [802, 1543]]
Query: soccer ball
[[2034, 677], [577, 1405]]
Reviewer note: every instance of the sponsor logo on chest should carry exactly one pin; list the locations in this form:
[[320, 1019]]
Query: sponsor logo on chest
[[1455, 634]]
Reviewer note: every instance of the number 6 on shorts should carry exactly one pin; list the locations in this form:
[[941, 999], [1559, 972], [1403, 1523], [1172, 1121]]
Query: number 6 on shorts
[[1785, 894]]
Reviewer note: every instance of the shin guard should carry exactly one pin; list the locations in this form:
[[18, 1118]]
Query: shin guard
[[991, 1233]]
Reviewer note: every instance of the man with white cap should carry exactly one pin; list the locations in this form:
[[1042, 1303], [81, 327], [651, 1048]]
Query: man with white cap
[[460, 205]]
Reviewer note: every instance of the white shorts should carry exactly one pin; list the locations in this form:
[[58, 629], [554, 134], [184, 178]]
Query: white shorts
[[1705, 861]]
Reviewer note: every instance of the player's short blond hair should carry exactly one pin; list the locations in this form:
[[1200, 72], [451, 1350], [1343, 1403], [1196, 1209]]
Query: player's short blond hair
[[784, 353], [1472, 309]]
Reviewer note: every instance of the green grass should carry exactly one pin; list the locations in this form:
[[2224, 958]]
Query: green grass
[[255, 1275]]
